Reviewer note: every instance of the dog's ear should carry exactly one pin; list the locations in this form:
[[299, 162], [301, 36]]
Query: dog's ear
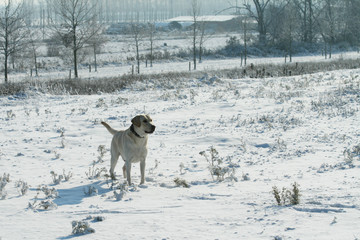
[[136, 121], [148, 117]]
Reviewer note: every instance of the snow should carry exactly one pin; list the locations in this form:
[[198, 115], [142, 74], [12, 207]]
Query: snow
[[118, 69], [271, 132]]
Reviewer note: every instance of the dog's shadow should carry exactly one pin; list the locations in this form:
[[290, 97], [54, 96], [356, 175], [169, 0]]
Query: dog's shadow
[[76, 195]]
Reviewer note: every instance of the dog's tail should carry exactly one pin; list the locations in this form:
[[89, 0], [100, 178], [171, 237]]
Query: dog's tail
[[110, 129]]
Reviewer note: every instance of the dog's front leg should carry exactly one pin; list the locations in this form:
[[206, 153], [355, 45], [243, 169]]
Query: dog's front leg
[[114, 159], [142, 171], [128, 171], [124, 170]]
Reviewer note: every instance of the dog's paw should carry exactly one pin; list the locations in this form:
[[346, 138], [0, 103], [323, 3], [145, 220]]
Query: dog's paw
[[133, 188]]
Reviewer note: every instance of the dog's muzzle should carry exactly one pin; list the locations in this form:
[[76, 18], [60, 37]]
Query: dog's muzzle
[[152, 129]]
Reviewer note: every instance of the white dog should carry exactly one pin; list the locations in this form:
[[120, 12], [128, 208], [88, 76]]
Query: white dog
[[131, 144]]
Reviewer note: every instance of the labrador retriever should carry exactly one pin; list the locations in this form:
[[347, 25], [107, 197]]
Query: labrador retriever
[[131, 145]]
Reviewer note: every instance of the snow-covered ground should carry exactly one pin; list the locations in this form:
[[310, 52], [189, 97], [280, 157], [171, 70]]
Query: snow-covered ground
[[114, 58], [267, 132], [116, 69]]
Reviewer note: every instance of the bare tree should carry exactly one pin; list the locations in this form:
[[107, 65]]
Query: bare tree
[[351, 17], [243, 23], [152, 31], [203, 37], [12, 31], [195, 12], [96, 42], [330, 23], [74, 23], [34, 44], [137, 31], [245, 27], [259, 16], [308, 22], [289, 27]]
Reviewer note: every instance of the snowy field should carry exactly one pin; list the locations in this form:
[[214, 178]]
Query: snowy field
[[267, 132], [115, 69], [113, 61]]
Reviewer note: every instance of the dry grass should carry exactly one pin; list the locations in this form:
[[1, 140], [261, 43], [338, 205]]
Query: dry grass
[[110, 85]]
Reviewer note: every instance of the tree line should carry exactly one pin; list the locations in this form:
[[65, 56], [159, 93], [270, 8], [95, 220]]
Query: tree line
[[73, 24], [114, 11], [283, 23]]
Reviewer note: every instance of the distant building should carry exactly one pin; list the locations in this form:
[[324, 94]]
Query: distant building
[[212, 23], [215, 23]]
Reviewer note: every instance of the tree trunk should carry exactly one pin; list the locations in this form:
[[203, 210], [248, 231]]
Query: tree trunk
[[137, 57], [200, 53], [260, 11], [13, 61], [262, 29], [310, 21], [151, 53], [36, 64], [6, 67], [194, 45], [95, 63], [75, 49], [245, 42], [75, 63]]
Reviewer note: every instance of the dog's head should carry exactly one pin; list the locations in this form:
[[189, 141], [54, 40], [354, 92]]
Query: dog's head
[[143, 123]]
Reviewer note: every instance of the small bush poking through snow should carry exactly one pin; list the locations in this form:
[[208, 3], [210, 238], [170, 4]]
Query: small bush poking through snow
[[182, 168], [119, 100], [95, 173], [49, 192], [295, 194], [67, 176], [22, 187], [152, 170], [95, 219], [10, 115], [5, 178], [123, 189], [216, 166], [90, 191], [3, 193], [245, 177], [181, 183], [351, 154], [81, 227], [287, 196], [101, 103], [56, 155], [46, 204], [56, 178], [101, 150], [3, 181]]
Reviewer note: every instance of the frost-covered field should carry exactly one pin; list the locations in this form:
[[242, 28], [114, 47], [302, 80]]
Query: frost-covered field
[[267, 132], [114, 59]]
